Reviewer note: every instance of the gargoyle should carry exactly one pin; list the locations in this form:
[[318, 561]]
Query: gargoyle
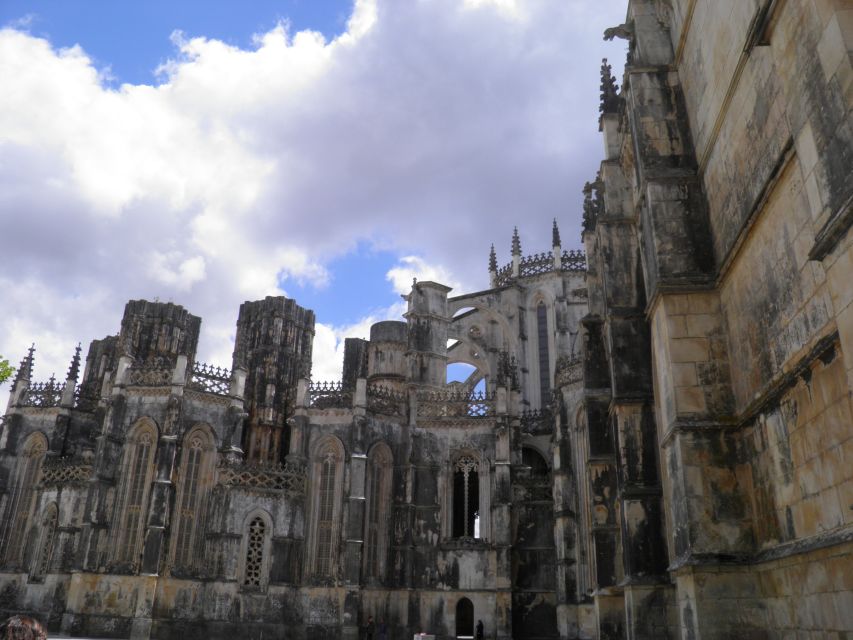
[[624, 31]]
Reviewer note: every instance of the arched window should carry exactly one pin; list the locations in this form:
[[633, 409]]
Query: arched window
[[198, 459], [544, 358], [22, 497], [135, 487], [464, 618], [378, 494], [534, 460], [256, 552], [327, 479], [46, 540], [466, 498]]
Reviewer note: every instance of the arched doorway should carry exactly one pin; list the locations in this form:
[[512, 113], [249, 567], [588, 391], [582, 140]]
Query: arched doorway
[[464, 619]]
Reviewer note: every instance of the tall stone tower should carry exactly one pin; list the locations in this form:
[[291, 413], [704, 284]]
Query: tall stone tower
[[273, 347]]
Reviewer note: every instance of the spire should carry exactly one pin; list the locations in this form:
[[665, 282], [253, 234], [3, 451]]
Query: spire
[[74, 369], [555, 235], [25, 371], [516, 242], [493, 260], [609, 90]]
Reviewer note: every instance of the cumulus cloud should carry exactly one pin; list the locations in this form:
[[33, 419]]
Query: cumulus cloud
[[428, 129]]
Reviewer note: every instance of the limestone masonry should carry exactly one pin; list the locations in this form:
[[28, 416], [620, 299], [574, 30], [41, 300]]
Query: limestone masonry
[[655, 440]]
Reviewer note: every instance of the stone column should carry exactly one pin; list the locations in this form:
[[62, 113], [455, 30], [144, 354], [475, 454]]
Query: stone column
[[506, 422]]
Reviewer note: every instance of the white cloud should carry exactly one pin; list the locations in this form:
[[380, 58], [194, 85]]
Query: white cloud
[[428, 129], [413, 268]]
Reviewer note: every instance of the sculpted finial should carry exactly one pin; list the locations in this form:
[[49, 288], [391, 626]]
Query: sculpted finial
[[609, 90], [74, 370]]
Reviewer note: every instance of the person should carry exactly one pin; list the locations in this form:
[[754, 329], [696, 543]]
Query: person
[[22, 628], [383, 629], [479, 630], [369, 629]]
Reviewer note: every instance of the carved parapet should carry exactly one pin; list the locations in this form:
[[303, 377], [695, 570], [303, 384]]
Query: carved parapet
[[209, 379], [153, 372], [289, 478], [539, 263], [536, 421], [43, 394], [568, 370], [328, 395], [64, 472], [386, 401], [441, 404]]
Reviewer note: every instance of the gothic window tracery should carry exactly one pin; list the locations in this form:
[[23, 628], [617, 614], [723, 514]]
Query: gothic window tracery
[[378, 494], [543, 355], [194, 482], [22, 497], [253, 571], [138, 461], [326, 508], [466, 498], [44, 548]]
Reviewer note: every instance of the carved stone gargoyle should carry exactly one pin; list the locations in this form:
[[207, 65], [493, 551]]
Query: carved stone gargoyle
[[624, 31]]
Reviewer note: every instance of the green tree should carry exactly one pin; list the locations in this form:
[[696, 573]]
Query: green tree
[[6, 370]]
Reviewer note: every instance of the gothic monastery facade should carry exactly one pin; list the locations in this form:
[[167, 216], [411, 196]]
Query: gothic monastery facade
[[655, 440]]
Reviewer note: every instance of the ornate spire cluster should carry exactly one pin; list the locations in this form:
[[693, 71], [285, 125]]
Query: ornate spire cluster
[[25, 371], [493, 260], [593, 203], [609, 90], [516, 242], [555, 235], [74, 369]]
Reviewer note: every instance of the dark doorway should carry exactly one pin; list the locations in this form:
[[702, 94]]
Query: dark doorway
[[464, 619]]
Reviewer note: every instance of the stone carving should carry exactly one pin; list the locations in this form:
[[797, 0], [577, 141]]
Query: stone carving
[[624, 31]]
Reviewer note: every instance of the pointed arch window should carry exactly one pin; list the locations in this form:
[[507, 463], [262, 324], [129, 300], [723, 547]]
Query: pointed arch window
[[326, 507], [466, 498], [255, 558], [379, 471], [22, 498], [134, 490], [46, 541], [544, 356], [195, 476]]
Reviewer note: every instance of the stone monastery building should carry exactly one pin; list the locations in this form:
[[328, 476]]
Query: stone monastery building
[[655, 440]]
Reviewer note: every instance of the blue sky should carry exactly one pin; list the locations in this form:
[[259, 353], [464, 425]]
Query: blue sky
[[329, 151], [133, 38]]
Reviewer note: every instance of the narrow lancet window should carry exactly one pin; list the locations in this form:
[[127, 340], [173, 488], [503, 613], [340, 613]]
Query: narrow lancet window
[[193, 487], [22, 498], [326, 515], [378, 502], [44, 549], [544, 358], [255, 541], [466, 498], [133, 494]]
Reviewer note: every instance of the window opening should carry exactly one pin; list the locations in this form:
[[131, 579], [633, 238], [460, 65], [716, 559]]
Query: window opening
[[544, 359], [23, 497], [45, 546], [255, 552], [135, 494], [326, 514], [466, 498], [192, 498], [378, 489]]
